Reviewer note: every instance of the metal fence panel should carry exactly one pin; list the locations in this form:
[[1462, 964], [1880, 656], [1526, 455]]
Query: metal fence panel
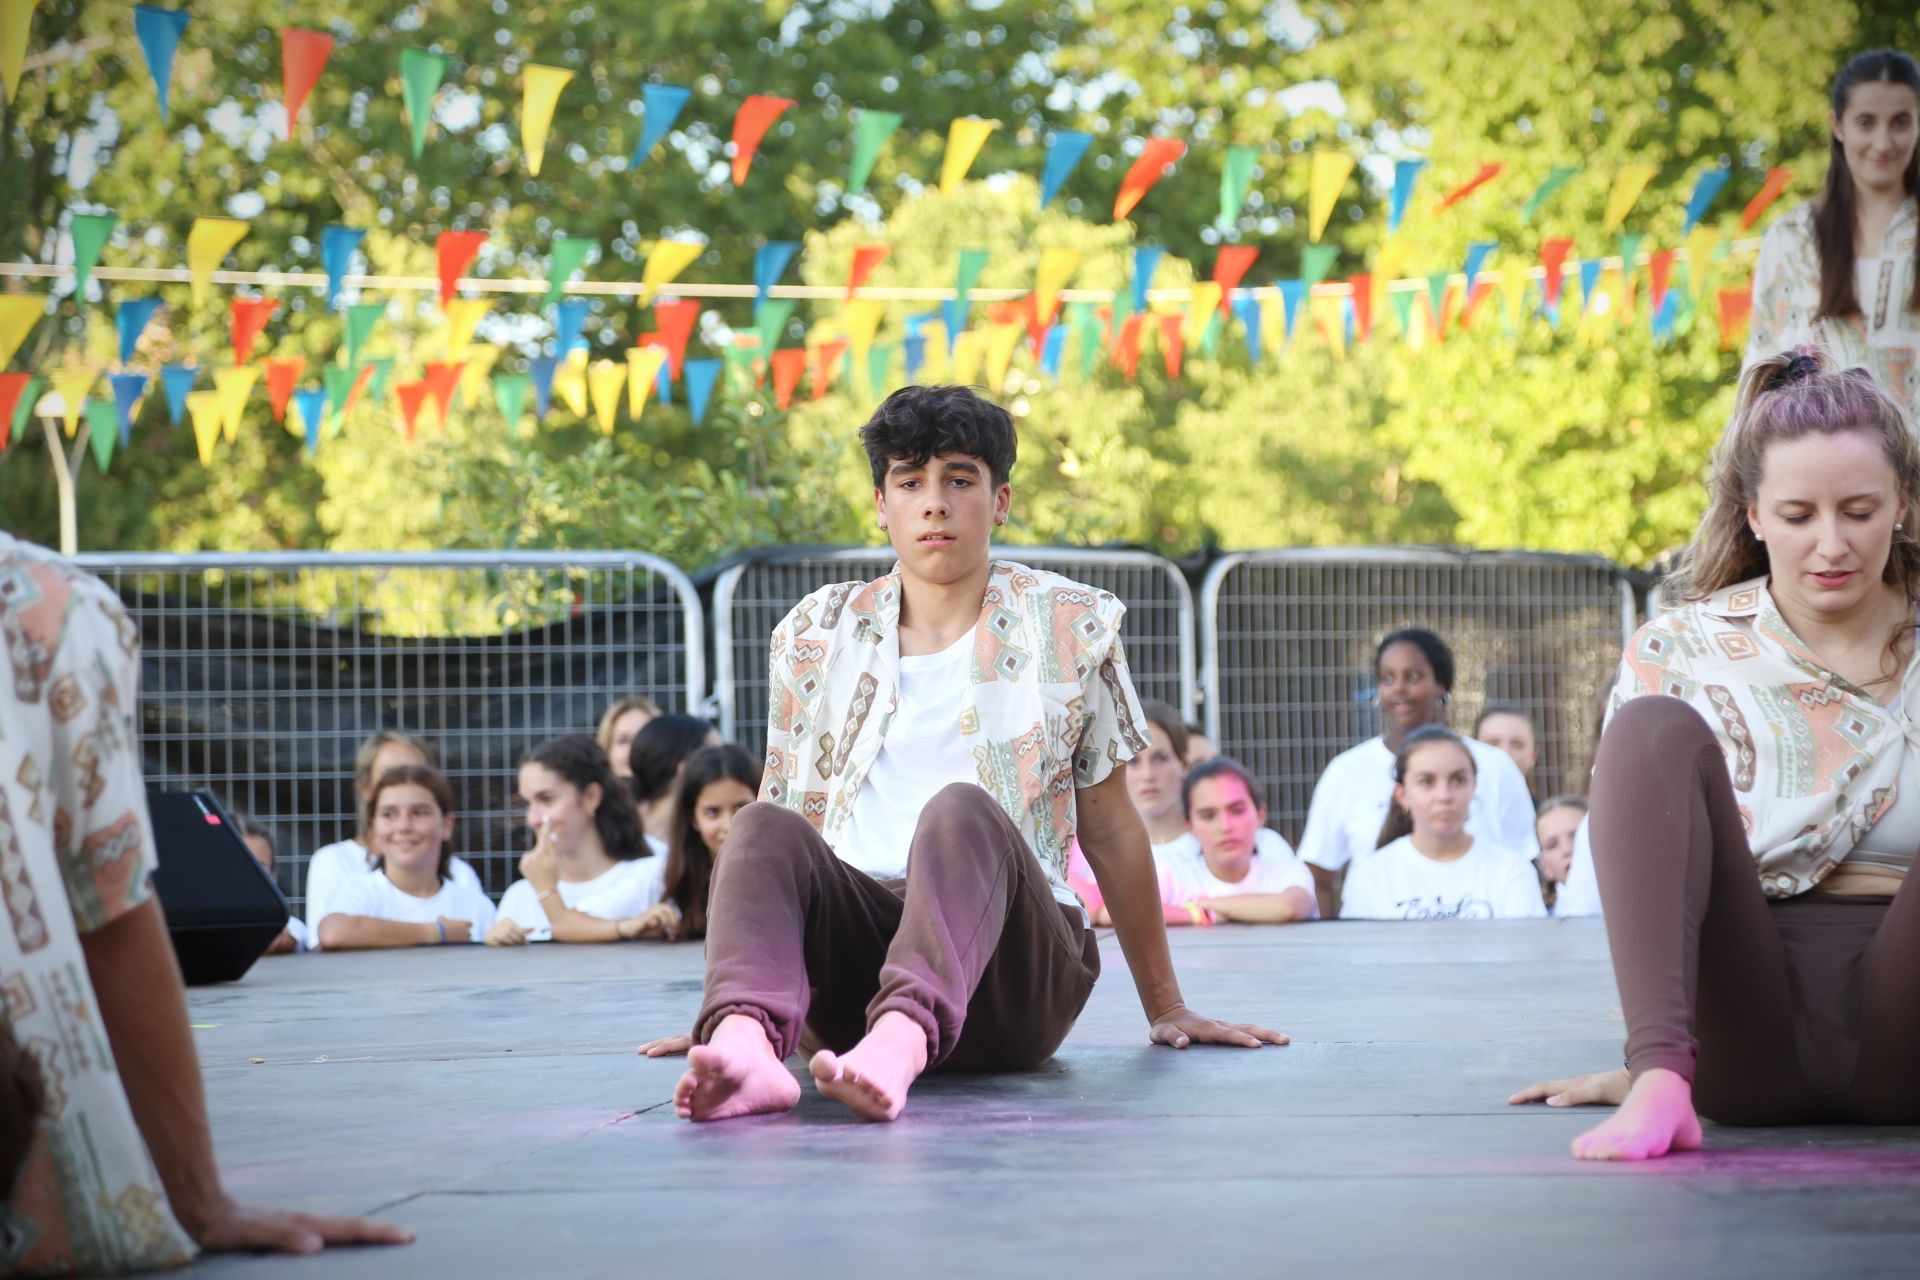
[[1289, 678], [261, 675], [751, 598]]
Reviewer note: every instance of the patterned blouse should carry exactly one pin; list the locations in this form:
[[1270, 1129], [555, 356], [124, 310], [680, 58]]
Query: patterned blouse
[[76, 853], [1814, 760], [1050, 705], [1884, 339]]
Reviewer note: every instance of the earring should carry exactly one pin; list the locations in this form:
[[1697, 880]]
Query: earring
[[1761, 537]]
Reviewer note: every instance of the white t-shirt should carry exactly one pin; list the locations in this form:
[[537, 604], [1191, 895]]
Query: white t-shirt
[[1351, 800], [374, 895], [1580, 895], [621, 891], [1399, 882], [335, 865], [1185, 876]]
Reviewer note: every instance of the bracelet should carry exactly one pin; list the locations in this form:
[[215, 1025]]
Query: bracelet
[[548, 894], [443, 932], [1194, 914]]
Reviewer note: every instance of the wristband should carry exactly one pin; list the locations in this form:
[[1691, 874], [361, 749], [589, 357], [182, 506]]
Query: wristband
[[443, 932]]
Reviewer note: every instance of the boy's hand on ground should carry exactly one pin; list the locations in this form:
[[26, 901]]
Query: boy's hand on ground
[[1181, 1027], [666, 1047], [232, 1228], [1601, 1089]]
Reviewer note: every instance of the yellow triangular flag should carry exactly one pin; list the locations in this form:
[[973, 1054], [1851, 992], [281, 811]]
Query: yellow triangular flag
[[1627, 186], [476, 374], [935, 368], [233, 387], [604, 379], [965, 136], [73, 385], [19, 312], [643, 371], [1390, 262], [15, 17], [1330, 170], [1056, 268], [968, 349], [204, 406], [570, 382], [539, 95], [1001, 340], [1330, 316], [208, 244], [1201, 304], [463, 316], [863, 322], [1701, 242], [664, 265], [1513, 290], [1273, 323]]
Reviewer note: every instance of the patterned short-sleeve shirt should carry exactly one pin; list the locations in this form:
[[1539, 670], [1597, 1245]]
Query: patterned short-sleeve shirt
[[76, 853], [1814, 760], [1049, 707]]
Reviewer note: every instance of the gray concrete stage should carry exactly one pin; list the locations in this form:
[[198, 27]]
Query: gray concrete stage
[[491, 1101]]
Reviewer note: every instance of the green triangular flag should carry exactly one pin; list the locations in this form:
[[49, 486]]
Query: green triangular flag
[[972, 263], [568, 253], [1083, 326], [1316, 261], [1555, 180], [1437, 294], [1236, 179], [880, 368], [739, 368], [510, 393], [874, 129], [770, 322], [339, 386], [23, 407], [382, 377], [1210, 336], [420, 75], [361, 317], [90, 232], [103, 431], [1630, 253], [1402, 300]]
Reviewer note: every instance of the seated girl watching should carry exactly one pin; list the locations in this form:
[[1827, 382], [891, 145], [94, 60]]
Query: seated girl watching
[[410, 898], [718, 782], [1220, 869]]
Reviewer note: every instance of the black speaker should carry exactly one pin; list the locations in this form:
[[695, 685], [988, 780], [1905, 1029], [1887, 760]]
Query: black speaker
[[223, 909]]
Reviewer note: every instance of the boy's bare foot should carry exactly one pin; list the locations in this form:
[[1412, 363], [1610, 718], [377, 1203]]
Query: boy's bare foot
[[1657, 1117], [874, 1076], [736, 1073]]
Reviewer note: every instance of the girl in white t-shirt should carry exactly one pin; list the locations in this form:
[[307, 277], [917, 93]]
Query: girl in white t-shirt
[[1558, 825], [717, 783], [410, 898], [1154, 778], [1429, 866], [590, 876], [1219, 870]]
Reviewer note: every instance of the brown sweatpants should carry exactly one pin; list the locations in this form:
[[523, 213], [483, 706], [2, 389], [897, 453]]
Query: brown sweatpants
[[971, 945], [1785, 1011]]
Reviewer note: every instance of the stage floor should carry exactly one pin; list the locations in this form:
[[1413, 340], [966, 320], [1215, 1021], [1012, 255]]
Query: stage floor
[[491, 1101]]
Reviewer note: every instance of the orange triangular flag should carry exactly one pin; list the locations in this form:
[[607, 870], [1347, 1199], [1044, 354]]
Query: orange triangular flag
[[788, 364], [1486, 173], [1126, 347], [676, 321], [756, 116], [456, 251], [1736, 309], [1362, 305], [1777, 180], [443, 379], [1153, 162], [1231, 266], [283, 374], [865, 258], [1173, 340], [303, 56], [826, 358], [413, 397], [250, 316]]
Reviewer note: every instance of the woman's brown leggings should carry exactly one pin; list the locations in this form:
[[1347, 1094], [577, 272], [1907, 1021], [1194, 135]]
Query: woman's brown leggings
[[1796, 1010]]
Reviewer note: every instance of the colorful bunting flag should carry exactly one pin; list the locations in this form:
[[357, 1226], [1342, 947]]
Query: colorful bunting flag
[[208, 244], [1126, 348], [455, 251], [665, 262], [16, 19], [1236, 180], [303, 56], [750, 125], [443, 379], [769, 264], [234, 386], [1702, 242], [662, 104], [159, 31], [1477, 254], [701, 377], [1659, 272], [16, 400], [463, 318], [207, 413], [1406, 173], [1736, 309], [1589, 282], [604, 381], [826, 358], [1000, 343], [913, 350], [19, 312], [361, 318], [644, 367], [310, 405], [1064, 154], [1402, 302], [863, 322], [337, 247], [541, 371], [1056, 268], [540, 88], [1052, 349], [249, 320], [1777, 180], [1203, 301], [1486, 173], [90, 232], [102, 428], [1293, 299], [510, 396], [676, 321], [770, 322], [131, 319], [788, 364], [569, 320], [1627, 186], [1156, 158], [1230, 267], [1172, 342], [872, 131], [1555, 180], [420, 76], [413, 398], [127, 390], [1330, 170], [1362, 286], [965, 136], [1146, 260], [72, 385], [283, 374], [177, 380], [1705, 189], [1553, 259], [1316, 261], [1248, 311], [865, 258], [569, 254]]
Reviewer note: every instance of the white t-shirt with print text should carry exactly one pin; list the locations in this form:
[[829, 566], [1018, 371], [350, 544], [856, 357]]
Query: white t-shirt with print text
[[1351, 800], [1399, 882]]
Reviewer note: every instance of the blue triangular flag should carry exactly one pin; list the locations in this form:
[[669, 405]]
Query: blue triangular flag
[[1293, 295], [311, 405], [127, 390], [663, 104], [1063, 155], [159, 31], [1145, 259], [769, 264], [700, 375], [954, 312], [1248, 311], [1346, 315], [178, 379], [568, 321], [1705, 188], [1589, 281], [132, 318], [914, 347], [542, 367], [1476, 258], [1663, 318], [1054, 346], [337, 246], [1405, 174], [663, 382]]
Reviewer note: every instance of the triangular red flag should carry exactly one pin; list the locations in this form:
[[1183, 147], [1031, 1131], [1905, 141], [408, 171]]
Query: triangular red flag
[[283, 374], [12, 387], [756, 116], [1126, 348], [676, 321], [1173, 341], [413, 396], [788, 364], [865, 258], [1481, 288], [303, 56], [456, 250], [1153, 162], [1362, 305], [1777, 180], [1736, 308], [826, 358], [1485, 174], [250, 316], [1231, 267], [1553, 257], [1660, 270], [443, 379]]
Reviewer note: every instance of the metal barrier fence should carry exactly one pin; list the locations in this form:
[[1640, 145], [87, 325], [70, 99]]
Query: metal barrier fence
[[1288, 677], [750, 599], [261, 674]]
